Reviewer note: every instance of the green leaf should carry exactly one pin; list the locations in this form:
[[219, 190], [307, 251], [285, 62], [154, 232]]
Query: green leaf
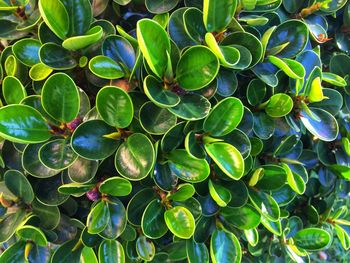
[[117, 219], [315, 93], [229, 56], [158, 94], [145, 248], [111, 251], [89, 142], [290, 67], [19, 185], [160, 6], [81, 13], [115, 106], [274, 177], [173, 137], [188, 168], [154, 45], [57, 154], [49, 215], [60, 97], [32, 233], [14, 253], [252, 236], [292, 46], [88, 255], [98, 217], [219, 193], [55, 16], [333, 79], [294, 180], [66, 253], [227, 157], [82, 170], [120, 50], [56, 57], [224, 117], [135, 157], [27, 127], [137, 205], [156, 120], [248, 41], [245, 217], [192, 107], [9, 224], [46, 190], [326, 128], [153, 223], [275, 227], [79, 42], [265, 204], [312, 239], [180, 222], [196, 252], [343, 236], [193, 146], [194, 25], [75, 189], [31, 163], [197, 67], [256, 92], [13, 90], [105, 67], [115, 186], [217, 15], [225, 247], [39, 72], [27, 51], [182, 192]]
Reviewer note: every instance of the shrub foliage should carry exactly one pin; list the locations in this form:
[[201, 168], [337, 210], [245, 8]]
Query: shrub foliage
[[174, 131]]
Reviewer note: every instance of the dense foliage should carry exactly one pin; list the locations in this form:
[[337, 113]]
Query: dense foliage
[[174, 131]]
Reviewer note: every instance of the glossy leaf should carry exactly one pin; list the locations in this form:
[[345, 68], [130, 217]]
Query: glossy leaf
[[79, 42], [98, 217], [245, 217], [115, 106], [19, 185], [89, 142], [225, 247], [13, 90], [154, 45], [55, 16], [111, 251], [27, 127], [188, 168], [135, 157], [227, 157], [160, 6], [180, 222], [57, 154], [115, 186], [197, 67], [32, 233], [312, 239], [224, 117], [156, 120], [105, 67], [217, 15], [326, 128], [60, 97], [27, 51], [153, 223]]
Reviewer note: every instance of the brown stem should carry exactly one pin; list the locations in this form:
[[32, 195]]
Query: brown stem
[[309, 10]]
